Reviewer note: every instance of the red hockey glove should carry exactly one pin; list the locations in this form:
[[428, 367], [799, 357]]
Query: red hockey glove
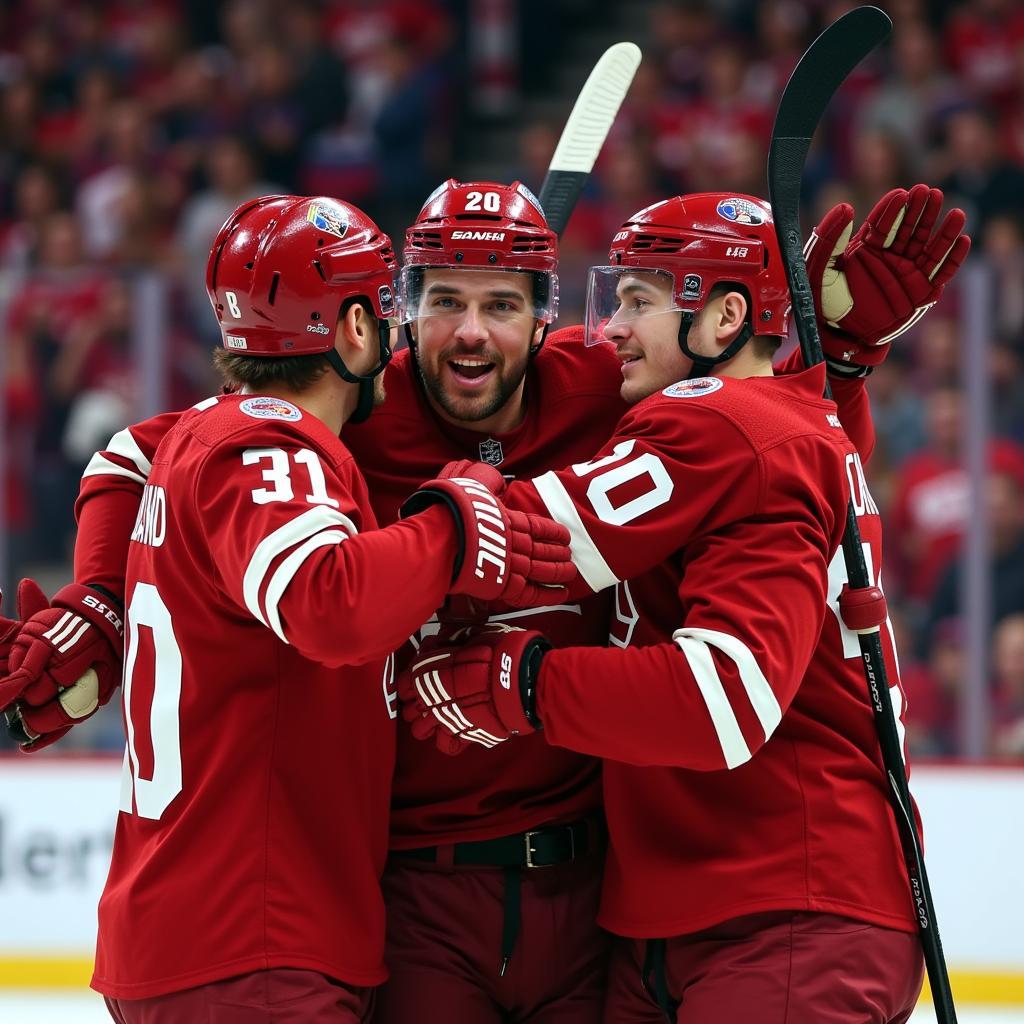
[[482, 472], [518, 558], [479, 691], [869, 289], [9, 629], [64, 663]]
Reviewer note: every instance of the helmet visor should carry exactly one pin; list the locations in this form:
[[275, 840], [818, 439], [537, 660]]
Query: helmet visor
[[617, 296], [498, 295]]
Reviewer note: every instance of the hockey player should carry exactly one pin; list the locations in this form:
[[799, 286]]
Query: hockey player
[[754, 869], [469, 839], [262, 605]]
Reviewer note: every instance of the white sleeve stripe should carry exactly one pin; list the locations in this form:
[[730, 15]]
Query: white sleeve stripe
[[101, 466], [68, 644], [759, 692], [288, 568], [734, 746], [595, 571], [296, 530], [123, 443]]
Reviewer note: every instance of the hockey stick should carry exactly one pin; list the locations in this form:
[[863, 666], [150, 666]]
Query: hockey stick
[[822, 69], [585, 131]]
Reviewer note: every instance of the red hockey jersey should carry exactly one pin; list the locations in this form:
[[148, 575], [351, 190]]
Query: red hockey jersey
[[572, 405], [256, 783], [742, 771]]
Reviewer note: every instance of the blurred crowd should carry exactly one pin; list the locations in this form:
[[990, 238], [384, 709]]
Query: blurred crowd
[[131, 128]]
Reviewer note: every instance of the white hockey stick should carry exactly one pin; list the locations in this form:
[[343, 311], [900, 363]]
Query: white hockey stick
[[585, 131]]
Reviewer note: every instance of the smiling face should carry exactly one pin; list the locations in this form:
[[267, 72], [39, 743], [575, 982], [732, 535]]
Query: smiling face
[[645, 331], [473, 336]]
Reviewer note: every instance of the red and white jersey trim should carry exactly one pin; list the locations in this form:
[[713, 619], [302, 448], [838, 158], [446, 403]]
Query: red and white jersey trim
[[124, 445], [586, 555], [314, 526], [695, 644]]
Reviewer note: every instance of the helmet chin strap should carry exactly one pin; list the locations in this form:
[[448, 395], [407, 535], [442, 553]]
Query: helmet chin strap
[[702, 364], [364, 403], [534, 349]]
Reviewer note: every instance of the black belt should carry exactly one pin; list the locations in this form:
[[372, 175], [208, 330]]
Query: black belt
[[538, 848]]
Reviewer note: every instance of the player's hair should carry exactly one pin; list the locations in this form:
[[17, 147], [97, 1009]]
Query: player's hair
[[293, 372], [764, 346]]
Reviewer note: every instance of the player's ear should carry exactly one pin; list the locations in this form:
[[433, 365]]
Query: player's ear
[[356, 328], [732, 314]]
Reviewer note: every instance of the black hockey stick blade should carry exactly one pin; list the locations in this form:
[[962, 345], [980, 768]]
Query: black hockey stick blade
[[821, 71], [585, 131]]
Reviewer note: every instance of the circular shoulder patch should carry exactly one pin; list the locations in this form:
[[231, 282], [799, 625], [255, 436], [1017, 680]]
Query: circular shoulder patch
[[696, 388], [264, 408]]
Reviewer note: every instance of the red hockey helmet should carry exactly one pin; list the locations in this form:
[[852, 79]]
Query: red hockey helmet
[[697, 241], [282, 266], [481, 225]]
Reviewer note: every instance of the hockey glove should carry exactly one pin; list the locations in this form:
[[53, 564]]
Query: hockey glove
[[9, 629], [64, 663], [521, 559], [869, 289], [479, 691]]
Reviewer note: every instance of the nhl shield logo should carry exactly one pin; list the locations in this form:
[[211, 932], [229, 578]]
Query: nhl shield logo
[[491, 453]]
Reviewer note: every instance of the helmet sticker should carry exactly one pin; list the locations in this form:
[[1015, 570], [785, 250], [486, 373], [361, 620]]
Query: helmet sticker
[[740, 211], [691, 286], [329, 217], [696, 388], [386, 298], [265, 408], [234, 341], [530, 197]]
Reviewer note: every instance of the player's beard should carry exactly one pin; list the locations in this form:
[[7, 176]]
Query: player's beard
[[505, 381], [379, 394]]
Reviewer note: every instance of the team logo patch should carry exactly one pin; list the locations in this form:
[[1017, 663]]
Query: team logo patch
[[386, 298], [696, 388], [491, 453], [328, 217], [691, 286], [264, 408], [741, 211]]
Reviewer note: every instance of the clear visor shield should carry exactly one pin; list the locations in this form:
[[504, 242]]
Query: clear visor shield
[[496, 295], [619, 297]]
